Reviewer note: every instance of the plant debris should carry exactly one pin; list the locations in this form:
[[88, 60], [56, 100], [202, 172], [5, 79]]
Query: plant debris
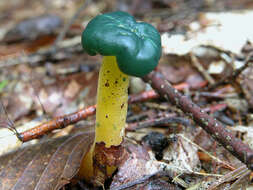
[[188, 127]]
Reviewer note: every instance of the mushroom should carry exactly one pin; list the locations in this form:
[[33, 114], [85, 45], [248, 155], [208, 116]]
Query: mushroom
[[128, 48]]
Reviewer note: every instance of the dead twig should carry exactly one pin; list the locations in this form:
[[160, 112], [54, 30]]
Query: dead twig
[[232, 78], [65, 120], [8, 123], [56, 123], [237, 173], [62, 34], [201, 69], [216, 159], [158, 122], [218, 131], [216, 107], [144, 179], [66, 47], [143, 96]]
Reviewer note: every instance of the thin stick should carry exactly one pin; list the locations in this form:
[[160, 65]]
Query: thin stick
[[65, 120], [141, 180], [36, 94], [9, 124], [209, 154], [159, 121], [241, 171], [201, 69], [69, 23], [232, 78], [217, 130], [57, 123]]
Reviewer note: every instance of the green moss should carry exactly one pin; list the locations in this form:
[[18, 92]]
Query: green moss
[[3, 84]]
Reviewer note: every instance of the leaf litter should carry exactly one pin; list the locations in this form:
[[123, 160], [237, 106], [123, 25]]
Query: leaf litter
[[57, 79]]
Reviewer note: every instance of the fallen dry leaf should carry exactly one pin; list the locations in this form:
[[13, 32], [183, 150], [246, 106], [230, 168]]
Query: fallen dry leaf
[[138, 165], [48, 165], [182, 155]]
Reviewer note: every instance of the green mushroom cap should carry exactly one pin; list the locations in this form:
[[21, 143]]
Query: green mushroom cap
[[136, 45]]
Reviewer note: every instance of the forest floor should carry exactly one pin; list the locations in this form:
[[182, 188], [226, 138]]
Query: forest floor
[[45, 75]]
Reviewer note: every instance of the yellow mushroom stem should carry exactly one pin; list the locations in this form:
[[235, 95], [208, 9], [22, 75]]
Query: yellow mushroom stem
[[112, 97]]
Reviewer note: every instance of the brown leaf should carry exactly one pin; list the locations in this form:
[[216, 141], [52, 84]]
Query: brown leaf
[[137, 165], [35, 167], [48, 165]]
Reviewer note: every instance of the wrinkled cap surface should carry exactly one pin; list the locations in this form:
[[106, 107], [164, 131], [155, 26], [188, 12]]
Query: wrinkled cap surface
[[136, 45]]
